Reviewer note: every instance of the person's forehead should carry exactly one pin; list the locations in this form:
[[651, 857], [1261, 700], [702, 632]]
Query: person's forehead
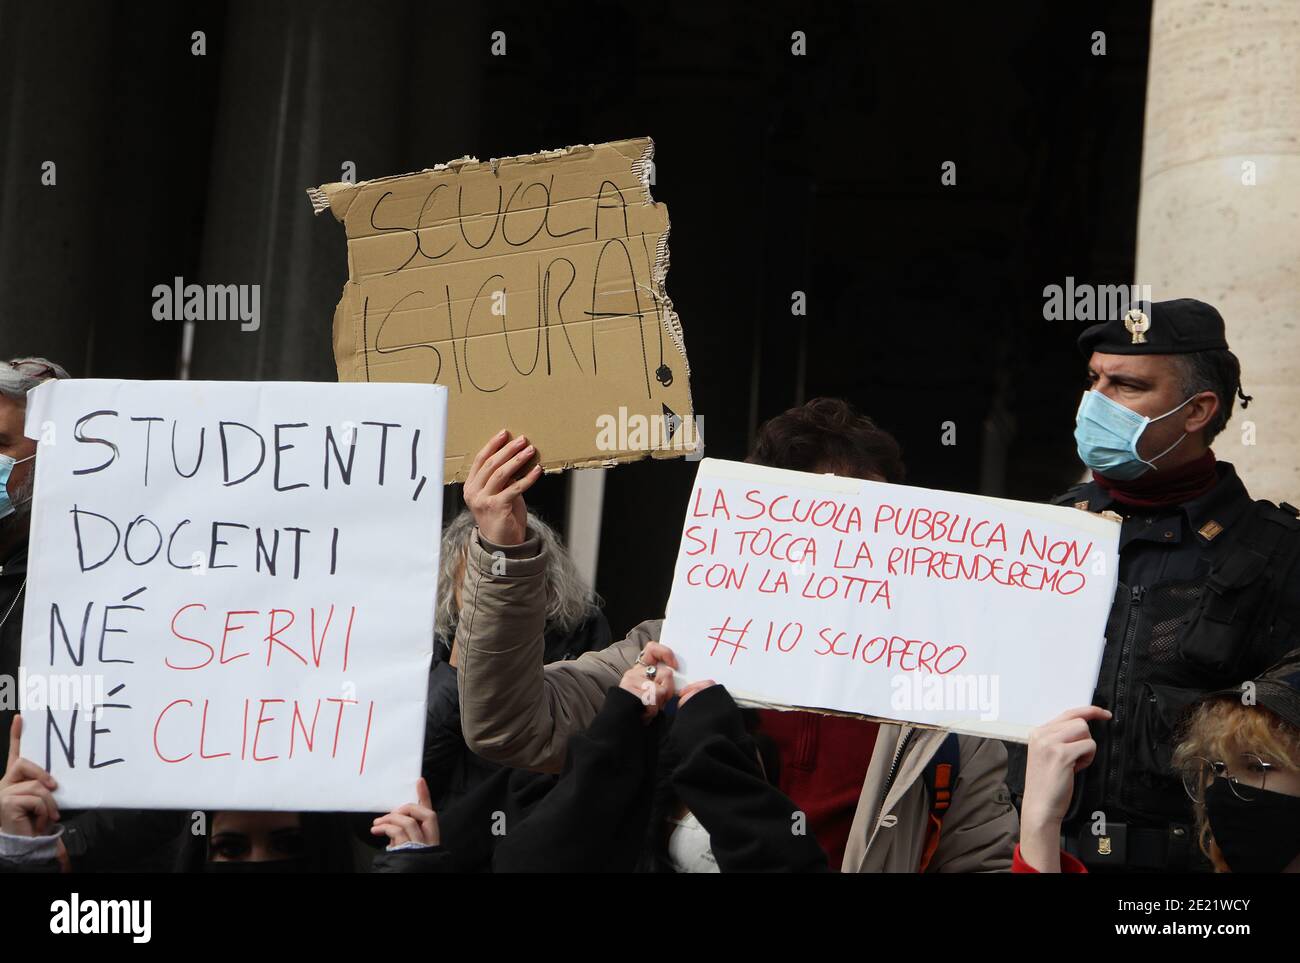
[[1147, 366]]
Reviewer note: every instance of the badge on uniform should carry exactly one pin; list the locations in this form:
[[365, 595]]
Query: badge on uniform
[[1110, 848], [1138, 324]]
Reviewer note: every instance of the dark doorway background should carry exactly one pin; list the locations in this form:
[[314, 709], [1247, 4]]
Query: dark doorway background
[[924, 301]]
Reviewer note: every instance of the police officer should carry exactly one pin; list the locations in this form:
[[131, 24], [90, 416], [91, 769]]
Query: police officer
[[1208, 588]]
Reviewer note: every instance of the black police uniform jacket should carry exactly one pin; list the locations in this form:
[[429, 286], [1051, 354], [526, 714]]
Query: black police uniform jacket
[[1208, 596]]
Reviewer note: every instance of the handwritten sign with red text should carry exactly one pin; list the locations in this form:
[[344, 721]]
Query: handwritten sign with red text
[[231, 592], [975, 614]]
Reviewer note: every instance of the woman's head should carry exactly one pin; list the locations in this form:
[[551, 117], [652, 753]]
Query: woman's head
[[570, 601], [1240, 761], [247, 841], [829, 435], [238, 836]]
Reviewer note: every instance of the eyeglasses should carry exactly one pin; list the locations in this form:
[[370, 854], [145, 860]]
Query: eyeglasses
[[1246, 784]]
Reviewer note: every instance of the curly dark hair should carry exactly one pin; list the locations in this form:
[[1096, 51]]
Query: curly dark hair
[[829, 434]]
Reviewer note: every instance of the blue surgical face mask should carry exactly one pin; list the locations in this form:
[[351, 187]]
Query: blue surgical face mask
[[7, 464], [1107, 436]]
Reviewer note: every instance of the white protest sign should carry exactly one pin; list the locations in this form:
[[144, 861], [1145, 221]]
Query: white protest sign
[[975, 614], [230, 593]]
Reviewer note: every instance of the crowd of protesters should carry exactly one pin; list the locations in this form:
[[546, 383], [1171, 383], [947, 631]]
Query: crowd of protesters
[[550, 746]]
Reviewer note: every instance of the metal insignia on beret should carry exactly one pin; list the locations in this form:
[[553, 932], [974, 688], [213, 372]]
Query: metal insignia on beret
[[1137, 323]]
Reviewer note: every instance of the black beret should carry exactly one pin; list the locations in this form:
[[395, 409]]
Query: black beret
[[1277, 689], [1161, 327]]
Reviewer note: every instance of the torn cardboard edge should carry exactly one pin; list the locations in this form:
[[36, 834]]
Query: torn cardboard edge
[[662, 454], [629, 163], [322, 197]]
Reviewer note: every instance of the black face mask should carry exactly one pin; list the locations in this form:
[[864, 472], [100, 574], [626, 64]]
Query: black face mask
[[1259, 836], [296, 864]]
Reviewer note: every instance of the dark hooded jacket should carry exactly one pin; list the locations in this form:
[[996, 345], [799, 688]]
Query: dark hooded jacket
[[608, 811]]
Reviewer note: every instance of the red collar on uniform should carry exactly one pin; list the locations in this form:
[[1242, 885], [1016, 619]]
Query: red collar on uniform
[[1158, 488]]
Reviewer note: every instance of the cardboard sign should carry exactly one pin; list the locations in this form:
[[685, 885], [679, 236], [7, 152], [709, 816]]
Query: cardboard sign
[[230, 593], [975, 614], [533, 289]]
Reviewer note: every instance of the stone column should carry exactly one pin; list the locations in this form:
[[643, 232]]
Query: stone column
[[1219, 217]]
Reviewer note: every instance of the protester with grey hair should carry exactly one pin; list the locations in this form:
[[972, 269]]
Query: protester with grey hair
[[89, 841], [574, 625], [17, 480]]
